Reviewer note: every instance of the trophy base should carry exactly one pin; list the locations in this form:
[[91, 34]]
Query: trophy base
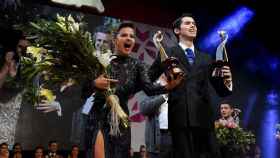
[[220, 63], [217, 66], [171, 67], [218, 79]]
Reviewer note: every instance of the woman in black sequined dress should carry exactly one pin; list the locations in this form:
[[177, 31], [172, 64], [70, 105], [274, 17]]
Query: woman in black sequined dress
[[132, 77]]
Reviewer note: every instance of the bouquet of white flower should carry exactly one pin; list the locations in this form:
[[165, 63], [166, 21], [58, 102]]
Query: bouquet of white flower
[[66, 50]]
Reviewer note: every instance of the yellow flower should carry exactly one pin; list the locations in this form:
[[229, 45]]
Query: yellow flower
[[75, 27], [60, 18], [47, 94], [61, 23], [70, 18], [62, 26], [48, 62], [35, 52], [217, 124]]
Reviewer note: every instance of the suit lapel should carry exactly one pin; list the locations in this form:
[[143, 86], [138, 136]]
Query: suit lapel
[[181, 56], [198, 59]]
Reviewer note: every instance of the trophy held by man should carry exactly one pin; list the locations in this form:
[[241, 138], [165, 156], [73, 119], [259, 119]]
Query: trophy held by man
[[170, 64], [220, 68]]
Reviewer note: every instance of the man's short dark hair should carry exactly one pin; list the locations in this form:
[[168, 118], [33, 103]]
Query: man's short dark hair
[[52, 141], [126, 24], [16, 144], [74, 146], [142, 147], [2, 144], [39, 147], [225, 101], [177, 23]]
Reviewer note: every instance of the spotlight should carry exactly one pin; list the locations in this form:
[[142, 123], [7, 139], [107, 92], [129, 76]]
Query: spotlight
[[232, 24]]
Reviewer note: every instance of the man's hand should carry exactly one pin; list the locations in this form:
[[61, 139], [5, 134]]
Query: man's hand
[[222, 72], [103, 83], [226, 73], [162, 79], [47, 107], [174, 83], [17, 155]]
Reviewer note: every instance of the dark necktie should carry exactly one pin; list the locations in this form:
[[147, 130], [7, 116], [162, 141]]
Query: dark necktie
[[190, 55]]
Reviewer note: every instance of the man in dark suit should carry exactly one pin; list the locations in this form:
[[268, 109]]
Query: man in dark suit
[[53, 148], [157, 137], [189, 111]]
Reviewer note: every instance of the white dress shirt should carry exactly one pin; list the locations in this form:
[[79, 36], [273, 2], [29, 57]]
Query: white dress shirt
[[184, 47], [163, 111]]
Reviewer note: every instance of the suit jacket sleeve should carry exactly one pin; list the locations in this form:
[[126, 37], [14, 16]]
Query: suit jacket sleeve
[[150, 105], [88, 88]]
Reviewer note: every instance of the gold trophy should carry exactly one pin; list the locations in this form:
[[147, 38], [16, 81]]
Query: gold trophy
[[170, 64]]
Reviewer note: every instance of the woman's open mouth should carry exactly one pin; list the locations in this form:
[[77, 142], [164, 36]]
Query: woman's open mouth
[[127, 45]]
